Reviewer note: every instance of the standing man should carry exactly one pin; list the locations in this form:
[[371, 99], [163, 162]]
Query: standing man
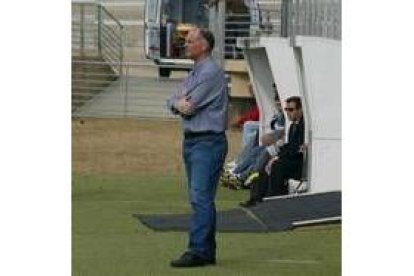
[[202, 103]]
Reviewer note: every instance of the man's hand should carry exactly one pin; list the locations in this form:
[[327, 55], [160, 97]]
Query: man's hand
[[268, 139], [280, 142], [184, 106], [269, 164], [303, 148]]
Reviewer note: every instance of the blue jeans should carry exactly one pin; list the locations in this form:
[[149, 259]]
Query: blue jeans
[[249, 131], [252, 161], [204, 158]]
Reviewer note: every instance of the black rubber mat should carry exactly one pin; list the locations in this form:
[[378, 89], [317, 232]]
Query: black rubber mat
[[276, 214], [234, 220], [296, 209]]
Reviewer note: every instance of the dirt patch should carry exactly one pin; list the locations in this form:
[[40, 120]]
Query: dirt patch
[[131, 146]]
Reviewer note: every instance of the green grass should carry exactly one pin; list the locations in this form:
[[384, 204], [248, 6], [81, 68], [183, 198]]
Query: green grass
[[107, 240]]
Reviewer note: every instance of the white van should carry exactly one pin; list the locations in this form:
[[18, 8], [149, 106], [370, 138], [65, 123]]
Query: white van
[[166, 25], [168, 21]]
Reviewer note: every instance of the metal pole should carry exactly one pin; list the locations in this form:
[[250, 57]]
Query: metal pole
[[284, 18], [312, 17], [121, 75], [292, 20], [319, 16], [216, 26], [302, 17], [338, 16], [126, 91], [99, 7], [328, 19], [307, 17], [82, 30], [121, 48], [322, 18], [220, 34], [335, 20]]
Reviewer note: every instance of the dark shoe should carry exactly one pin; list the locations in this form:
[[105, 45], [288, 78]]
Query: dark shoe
[[189, 259], [249, 203]]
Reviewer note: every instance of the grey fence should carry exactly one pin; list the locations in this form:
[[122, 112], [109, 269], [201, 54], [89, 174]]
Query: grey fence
[[244, 25], [320, 18]]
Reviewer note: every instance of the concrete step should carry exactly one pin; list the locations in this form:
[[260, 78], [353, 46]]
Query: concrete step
[[90, 75]]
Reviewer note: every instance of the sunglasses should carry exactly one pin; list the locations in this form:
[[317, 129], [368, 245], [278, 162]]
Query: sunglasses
[[289, 109]]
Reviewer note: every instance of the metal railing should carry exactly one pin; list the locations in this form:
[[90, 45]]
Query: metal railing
[[136, 95], [241, 25], [320, 18], [110, 38], [97, 51], [97, 33]]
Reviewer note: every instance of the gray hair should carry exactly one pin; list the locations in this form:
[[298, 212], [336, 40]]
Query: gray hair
[[208, 37]]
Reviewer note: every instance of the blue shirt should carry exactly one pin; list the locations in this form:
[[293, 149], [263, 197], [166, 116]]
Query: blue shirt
[[206, 88]]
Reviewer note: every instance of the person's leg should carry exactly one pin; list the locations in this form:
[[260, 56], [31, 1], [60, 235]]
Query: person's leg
[[245, 149], [277, 179], [248, 159], [261, 160], [259, 186], [281, 171], [258, 190], [206, 156], [248, 167], [249, 131]]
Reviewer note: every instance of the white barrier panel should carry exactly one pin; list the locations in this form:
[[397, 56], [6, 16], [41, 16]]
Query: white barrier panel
[[259, 71], [321, 74], [322, 66], [325, 162], [311, 70], [282, 63]]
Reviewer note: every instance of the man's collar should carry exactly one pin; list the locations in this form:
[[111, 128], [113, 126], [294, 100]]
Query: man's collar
[[201, 62], [297, 121]]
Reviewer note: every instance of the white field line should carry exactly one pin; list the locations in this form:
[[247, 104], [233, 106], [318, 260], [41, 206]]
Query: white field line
[[289, 261]]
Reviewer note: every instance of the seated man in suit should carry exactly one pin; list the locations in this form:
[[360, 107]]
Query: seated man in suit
[[287, 164]]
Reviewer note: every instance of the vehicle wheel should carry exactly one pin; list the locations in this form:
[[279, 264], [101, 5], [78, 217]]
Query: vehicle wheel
[[164, 72]]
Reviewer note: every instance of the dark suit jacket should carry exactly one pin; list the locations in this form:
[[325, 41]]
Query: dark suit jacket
[[296, 137]]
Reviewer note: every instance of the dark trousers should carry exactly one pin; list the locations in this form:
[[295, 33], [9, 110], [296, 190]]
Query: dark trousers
[[275, 183]]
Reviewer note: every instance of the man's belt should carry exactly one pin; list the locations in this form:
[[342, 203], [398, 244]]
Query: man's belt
[[189, 135]]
